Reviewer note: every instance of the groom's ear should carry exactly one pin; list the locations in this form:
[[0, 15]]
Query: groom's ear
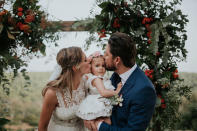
[[117, 61]]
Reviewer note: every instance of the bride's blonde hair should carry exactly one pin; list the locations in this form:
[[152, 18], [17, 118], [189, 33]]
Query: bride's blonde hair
[[66, 58]]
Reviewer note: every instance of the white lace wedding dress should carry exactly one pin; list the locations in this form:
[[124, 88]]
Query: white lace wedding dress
[[64, 117]]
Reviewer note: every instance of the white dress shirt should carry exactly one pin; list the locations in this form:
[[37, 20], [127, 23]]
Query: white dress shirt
[[124, 76]]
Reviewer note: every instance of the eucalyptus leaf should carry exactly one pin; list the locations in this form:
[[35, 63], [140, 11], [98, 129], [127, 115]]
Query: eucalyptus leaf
[[165, 56], [158, 102], [155, 38]]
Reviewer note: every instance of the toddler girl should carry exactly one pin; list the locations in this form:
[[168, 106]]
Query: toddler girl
[[96, 103]]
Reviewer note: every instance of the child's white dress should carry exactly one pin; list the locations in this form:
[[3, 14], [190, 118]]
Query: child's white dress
[[94, 105]]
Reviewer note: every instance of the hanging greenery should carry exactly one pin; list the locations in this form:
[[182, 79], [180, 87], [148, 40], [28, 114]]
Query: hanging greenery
[[158, 28], [23, 29]]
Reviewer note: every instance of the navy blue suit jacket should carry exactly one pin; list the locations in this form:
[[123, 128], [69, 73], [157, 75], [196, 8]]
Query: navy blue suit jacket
[[139, 98]]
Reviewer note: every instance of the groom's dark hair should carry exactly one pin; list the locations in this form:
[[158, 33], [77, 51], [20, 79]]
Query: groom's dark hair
[[123, 46]]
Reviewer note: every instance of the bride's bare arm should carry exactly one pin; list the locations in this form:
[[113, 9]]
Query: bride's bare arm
[[49, 104], [98, 83]]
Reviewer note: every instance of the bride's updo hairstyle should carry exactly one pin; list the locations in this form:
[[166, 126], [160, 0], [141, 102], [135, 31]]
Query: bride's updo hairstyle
[[67, 58]]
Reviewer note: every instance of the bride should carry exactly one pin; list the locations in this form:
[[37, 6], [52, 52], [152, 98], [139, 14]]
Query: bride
[[64, 92]]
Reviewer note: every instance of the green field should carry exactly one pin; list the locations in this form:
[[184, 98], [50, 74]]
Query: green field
[[23, 105]]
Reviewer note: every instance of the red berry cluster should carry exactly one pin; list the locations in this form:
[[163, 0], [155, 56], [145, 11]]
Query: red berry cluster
[[28, 19], [102, 33], [116, 23], [175, 74], [146, 21], [163, 105], [149, 73]]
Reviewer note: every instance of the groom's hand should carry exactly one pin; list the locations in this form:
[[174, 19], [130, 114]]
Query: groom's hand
[[107, 120], [90, 124], [102, 119]]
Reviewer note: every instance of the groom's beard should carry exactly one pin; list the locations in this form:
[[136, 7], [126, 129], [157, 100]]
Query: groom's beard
[[111, 68]]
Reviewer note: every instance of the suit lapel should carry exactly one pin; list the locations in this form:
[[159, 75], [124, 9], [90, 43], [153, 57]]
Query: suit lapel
[[129, 82]]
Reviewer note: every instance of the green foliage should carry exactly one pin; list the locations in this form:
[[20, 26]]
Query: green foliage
[[3, 121], [158, 29], [23, 105], [23, 29]]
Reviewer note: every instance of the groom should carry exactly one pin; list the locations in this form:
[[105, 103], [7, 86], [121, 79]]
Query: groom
[[138, 92]]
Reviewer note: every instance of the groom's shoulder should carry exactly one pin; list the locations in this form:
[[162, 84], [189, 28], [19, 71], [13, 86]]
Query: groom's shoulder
[[142, 79]]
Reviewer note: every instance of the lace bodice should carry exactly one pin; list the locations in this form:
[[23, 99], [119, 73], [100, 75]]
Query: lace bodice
[[65, 115]]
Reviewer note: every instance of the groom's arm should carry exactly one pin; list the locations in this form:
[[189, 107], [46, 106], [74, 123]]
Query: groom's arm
[[139, 115]]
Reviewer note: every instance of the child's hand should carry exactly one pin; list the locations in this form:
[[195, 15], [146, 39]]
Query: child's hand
[[119, 87]]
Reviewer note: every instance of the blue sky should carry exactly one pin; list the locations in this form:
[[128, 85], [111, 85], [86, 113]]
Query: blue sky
[[79, 9]]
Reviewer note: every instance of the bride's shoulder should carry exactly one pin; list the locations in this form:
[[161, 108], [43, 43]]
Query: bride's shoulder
[[50, 95]]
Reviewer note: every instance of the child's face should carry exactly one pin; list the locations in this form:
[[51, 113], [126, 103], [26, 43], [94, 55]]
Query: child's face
[[98, 66]]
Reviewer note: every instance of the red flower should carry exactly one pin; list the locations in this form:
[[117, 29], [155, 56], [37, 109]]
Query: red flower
[[146, 20], [24, 27], [29, 18], [151, 76], [2, 13], [19, 13], [116, 23], [20, 9], [158, 53], [103, 30], [163, 106], [149, 41], [149, 34], [19, 24], [162, 100], [175, 74], [149, 73], [102, 33], [148, 27]]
